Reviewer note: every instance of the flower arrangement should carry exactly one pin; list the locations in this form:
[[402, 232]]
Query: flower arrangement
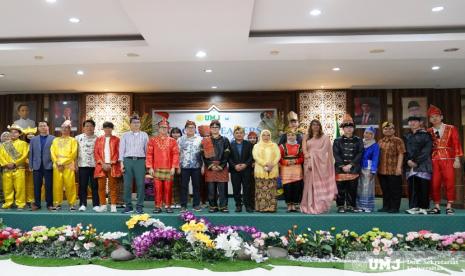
[[421, 240], [157, 243], [8, 238], [454, 242]]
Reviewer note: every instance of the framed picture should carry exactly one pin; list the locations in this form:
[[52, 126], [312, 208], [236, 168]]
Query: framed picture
[[24, 113], [414, 106], [367, 112], [65, 110]]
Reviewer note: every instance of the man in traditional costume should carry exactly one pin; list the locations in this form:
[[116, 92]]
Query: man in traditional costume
[[446, 155], [107, 166], [347, 151], [293, 124], [64, 152], [215, 153], [161, 162], [13, 156]]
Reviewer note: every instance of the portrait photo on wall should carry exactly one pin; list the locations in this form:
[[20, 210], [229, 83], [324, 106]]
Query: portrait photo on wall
[[24, 113], [65, 110], [414, 106], [367, 112]]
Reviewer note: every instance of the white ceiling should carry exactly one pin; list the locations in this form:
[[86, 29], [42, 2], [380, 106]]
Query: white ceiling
[[175, 29]]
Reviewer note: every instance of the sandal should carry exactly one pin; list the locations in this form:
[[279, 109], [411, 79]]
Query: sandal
[[450, 211], [435, 211]]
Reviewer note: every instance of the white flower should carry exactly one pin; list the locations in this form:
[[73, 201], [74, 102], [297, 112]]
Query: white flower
[[76, 247], [156, 223], [284, 240], [81, 238], [61, 238], [113, 235], [435, 237], [253, 252], [376, 250], [229, 242], [89, 245]]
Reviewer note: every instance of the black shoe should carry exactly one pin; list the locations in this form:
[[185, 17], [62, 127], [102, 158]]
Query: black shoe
[[139, 210], [434, 211], [238, 209], [213, 210], [383, 210], [350, 209], [393, 211], [341, 210], [169, 210], [127, 210], [183, 209], [198, 209], [156, 210], [225, 210], [249, 210], [450, 211]]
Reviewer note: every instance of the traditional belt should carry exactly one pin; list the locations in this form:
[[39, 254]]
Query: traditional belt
[[12, 170], [443, 148]]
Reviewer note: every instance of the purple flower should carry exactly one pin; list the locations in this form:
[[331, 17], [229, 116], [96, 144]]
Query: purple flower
[[142, 243]]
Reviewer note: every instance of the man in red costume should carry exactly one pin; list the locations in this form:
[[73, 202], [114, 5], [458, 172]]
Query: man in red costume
[[446, 157], [161, 162]]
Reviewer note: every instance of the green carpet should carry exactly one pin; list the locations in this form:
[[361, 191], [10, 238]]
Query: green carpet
[[280, 221]]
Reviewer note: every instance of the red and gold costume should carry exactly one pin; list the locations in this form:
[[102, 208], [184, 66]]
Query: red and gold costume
[[291, 172], [112, 174], [162, 156], [446, 149]]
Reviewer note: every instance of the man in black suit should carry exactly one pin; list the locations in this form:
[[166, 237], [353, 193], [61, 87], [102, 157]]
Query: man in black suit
[[240, 167]]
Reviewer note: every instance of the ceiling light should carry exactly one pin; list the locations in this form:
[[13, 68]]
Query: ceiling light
[[208, 70], [451, 49], [74, 20], [315, 12], [2, 75], [377, 51], [435, 68], [132, 55], [201, 54], [336, 69], [80, 72], [51, 1], [437, 9], [274, 52], [214, 87], [65, 102]]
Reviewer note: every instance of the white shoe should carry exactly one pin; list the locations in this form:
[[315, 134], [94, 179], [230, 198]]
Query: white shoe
[[101, 208], [422, 212], [82, 208], [113, 208], [413, 211], [96, 208]]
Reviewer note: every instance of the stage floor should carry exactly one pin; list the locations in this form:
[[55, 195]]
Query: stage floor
[[280, 221]]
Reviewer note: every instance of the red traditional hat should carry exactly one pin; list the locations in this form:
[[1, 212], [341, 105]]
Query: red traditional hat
[[164, 122], [433, 110]]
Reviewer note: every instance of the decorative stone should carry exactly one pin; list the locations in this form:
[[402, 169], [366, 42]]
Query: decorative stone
[[121, 254], [241, 255], [276, 252]]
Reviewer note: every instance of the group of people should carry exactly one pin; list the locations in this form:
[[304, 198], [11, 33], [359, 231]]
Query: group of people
[[312, 172]]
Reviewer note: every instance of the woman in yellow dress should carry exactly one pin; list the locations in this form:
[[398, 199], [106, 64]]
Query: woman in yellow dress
[[266, 155], [64, 153]]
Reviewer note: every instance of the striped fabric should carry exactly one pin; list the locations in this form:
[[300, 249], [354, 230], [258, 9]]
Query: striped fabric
[[163, 174], [133, 144]]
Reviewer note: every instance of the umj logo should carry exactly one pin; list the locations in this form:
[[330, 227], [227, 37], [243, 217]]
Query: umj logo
[[383, 264]]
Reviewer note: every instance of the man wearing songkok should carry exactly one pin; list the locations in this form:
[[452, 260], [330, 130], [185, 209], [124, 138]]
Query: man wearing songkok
[[64, 152], [13, 156], [347, 151], [107, 167], [40, 162], [161, 162], [293, 124], [446, 155], [215, 153]]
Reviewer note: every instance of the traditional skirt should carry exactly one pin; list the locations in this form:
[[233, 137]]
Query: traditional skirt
[[265, 195], [217, 176], [366, 191], [290, 174], [163, 174]]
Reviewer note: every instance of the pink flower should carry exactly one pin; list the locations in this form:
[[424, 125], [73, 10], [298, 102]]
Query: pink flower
[[423, 232], [459, 241]]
